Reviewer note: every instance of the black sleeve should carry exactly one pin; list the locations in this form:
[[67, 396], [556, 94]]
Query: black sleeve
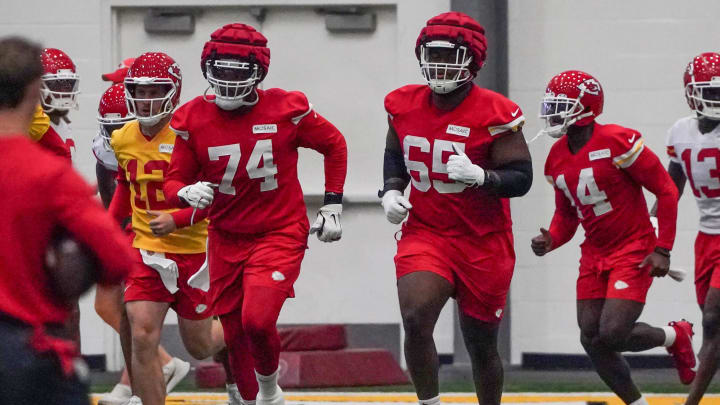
[[106, 183], [511, 179], [395, 175]]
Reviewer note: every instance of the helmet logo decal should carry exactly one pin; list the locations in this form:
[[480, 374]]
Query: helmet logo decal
[[590, 86], [174, 70]]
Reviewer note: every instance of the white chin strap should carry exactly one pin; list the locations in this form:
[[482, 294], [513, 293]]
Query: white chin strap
[[446, 86], [150, 121]]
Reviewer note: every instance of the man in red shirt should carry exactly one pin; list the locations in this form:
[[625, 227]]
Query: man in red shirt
[[42, 194], [462, 150], [598, 172], [237, 153]]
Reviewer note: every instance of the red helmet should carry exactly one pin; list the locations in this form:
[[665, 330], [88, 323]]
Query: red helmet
[[119, 74], [153, 68], [702, 85], [60, 81], [234, 61], [571, 98], [112, 111], [462, 39]]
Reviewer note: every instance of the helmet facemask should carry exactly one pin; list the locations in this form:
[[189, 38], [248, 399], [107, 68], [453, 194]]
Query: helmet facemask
[[60, 90], [233, 82], [705, 98], [559, 112], [160, 107], [109, 123], [445, 65]]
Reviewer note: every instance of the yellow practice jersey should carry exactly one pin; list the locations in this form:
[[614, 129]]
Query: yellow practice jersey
[[143, 163], [39, 125]]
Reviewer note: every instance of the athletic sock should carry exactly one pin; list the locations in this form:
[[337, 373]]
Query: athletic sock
[[670, 336], [267, 384], [431, 401], [640, 401]]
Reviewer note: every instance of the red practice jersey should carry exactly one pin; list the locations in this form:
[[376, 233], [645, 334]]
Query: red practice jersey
[[601, 187], [41, 192], [253, 158], [426, 135]]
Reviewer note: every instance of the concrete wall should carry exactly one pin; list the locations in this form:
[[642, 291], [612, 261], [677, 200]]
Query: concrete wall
[[638, 51]]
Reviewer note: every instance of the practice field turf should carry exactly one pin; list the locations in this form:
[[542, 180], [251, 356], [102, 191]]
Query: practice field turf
[[346, 398]]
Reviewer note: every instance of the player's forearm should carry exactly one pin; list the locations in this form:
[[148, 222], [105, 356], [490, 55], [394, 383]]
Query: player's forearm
[[678, 177], [336, 165], [562, 228], [170, 191], [184, 217], [510, 180], [667, 204], [395, 175], [120, 207]]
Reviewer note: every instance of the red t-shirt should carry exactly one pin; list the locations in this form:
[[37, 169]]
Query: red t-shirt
[[41, 192], [601, 187], [426, 136], [253, 157]]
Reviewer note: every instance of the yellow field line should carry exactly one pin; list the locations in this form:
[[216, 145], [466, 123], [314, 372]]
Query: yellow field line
[[529, 398]]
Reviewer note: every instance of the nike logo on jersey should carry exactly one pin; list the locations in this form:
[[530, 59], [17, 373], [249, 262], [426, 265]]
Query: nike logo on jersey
[[515, 113], [458, 130], [265, 129], [631, 140]]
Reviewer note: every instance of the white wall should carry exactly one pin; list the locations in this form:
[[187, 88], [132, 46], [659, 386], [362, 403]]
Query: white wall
[[638, 51]]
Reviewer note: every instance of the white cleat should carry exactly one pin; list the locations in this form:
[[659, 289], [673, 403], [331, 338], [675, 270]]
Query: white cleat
[[277, 399], [174, 372], [119, 395], [133, 401]]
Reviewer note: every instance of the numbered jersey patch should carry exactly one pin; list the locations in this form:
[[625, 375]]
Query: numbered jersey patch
[[699, 156], [427, 136], [252, 157], [597, 182], [143, 164]]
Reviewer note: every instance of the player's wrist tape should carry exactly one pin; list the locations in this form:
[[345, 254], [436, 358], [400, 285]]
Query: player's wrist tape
[[393, 184], [662, 251], [332, 198]]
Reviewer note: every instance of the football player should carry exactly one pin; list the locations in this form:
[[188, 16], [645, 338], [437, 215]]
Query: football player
[[237, 152], [462, 150], [60, 83], [169, 243], [693, 147], [45, 136], [112, 115], [598, 173], [42, 194]]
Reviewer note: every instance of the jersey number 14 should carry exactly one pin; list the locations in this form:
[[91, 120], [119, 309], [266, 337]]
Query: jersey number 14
[[588, 193]]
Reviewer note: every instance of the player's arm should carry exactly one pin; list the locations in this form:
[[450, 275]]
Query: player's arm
[[106, 183], [676, 173], [510, 174], [395, 179], [315, 132], [52, 141], [120, 208], [76, 209], [562, 228], [180, 188]]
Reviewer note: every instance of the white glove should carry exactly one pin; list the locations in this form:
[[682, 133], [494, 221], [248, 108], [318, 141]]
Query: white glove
[[396, 206], [198, 195], [460, 168], [327, 224]]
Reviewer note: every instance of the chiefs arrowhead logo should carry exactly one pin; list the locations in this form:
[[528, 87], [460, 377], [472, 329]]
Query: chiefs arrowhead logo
[[174, 70], [590, 86]]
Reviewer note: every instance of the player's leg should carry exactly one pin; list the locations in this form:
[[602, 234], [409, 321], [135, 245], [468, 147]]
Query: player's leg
[[241, 361], [620, 331], [481, 342], [202, 337], [609, 364], [709, 356], [261, 309], [146, 319], [422, 295]]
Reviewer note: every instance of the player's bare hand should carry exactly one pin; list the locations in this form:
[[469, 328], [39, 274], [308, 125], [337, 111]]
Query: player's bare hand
[[542, 243], [162, 224], [658, 264]]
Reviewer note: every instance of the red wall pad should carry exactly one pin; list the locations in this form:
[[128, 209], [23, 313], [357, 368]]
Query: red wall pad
[[339, 368], [307, 338]]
